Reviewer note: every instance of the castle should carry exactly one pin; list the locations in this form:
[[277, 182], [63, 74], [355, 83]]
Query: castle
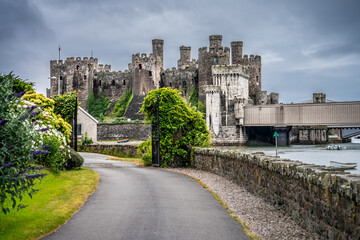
[[225, 88]]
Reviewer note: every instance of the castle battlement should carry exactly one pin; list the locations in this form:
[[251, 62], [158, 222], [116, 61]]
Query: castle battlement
[[211, 89]]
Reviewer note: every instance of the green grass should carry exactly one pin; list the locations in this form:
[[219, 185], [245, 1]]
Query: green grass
[[138, 161], [60, 196]]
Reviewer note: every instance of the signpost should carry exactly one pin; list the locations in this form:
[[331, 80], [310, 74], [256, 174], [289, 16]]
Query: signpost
[[276, 136]]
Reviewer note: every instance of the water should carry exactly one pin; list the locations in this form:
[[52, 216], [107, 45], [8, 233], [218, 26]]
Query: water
[[314, 154]]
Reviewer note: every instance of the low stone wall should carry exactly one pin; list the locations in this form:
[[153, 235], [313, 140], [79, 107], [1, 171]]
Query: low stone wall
[[323, 201], [126, 130], [114, 149]]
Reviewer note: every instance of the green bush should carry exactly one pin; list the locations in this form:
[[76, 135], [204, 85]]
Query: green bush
[[144, 152], [75, 160], [181, 127], [18, 138], [147, 158], [85, 140], [122, 104]]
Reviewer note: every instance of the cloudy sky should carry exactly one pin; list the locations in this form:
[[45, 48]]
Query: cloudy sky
[[306, 46]]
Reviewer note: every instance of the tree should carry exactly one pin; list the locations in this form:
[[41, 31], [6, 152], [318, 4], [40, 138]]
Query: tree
[[181, 127]]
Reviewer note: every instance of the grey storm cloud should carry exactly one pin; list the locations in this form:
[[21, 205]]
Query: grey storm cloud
[[306, 46]]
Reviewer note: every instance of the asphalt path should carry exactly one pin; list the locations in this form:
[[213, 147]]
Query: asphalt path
[[147, 203]]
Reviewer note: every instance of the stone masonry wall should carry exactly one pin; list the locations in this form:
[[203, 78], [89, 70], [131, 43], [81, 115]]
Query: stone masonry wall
[[127, 130], [322, 200]]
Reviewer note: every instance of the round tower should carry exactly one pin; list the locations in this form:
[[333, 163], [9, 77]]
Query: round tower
[[236, 52], [215, 41], [158, 49]]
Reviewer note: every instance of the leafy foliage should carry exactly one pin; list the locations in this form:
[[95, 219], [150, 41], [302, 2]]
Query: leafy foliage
[[47, 115], [20, 85], [122, 104], [98, 106], [181, 127], [18, 173], [65, 104], [144, 151], [85, 140], [194, 101]]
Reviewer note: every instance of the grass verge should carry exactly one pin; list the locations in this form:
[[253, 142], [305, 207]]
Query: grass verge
[[138, 161], [60, 196], [225, 206]]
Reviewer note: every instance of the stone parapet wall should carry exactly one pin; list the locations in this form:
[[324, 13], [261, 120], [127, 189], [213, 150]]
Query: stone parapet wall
[[322, 200], [127, 130]]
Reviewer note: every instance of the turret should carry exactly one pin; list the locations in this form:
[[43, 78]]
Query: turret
[[158, 49], [215, 41], [236, 52], [185, 57]]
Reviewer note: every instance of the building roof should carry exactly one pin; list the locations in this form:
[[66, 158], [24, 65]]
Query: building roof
[[88, 114]]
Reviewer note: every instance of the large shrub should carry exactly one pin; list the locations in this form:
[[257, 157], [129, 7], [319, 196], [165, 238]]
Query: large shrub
[[18, 141], [74, 160], [47, 117], [53, 132], [181, 127]]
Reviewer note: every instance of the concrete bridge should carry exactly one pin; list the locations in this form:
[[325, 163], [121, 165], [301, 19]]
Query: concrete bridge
[[318, 116]]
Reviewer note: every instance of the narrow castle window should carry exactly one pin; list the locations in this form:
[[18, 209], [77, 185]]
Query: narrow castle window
[[140, 67], [77, 67], [150, 73], [124, 82], [113, 83], [257, 78], [84, 77], [61, 78], [94, 83], [100, 83]]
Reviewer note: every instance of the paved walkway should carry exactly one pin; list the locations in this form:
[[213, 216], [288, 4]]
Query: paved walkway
[[147, 203]]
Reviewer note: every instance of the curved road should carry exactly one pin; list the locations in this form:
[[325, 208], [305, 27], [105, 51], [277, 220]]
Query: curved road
[[147, 203]]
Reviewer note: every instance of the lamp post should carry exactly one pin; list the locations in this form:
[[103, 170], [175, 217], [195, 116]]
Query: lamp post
[[75, 123]]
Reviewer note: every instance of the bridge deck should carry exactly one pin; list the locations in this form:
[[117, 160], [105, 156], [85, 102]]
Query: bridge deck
[[305, 114]]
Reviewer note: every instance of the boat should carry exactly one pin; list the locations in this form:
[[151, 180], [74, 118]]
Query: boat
[[334, 147], [355, 139], [123, 141], [342, 166]]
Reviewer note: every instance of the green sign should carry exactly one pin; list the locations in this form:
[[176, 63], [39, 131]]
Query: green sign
[[276, 134]]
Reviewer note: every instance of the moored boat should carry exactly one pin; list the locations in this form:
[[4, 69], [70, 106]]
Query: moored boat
[[343, 166]]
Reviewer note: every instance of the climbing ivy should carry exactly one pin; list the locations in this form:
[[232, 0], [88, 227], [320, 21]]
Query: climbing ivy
[[98, 106], [122, 104], [194, 101], [181, 127]]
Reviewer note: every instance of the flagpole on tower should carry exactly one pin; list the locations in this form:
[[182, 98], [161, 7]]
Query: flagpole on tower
[[59, 52]]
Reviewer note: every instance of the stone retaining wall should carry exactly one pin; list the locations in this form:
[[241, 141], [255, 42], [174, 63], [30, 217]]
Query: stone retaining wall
[[127, 130], [323, 201], [119, 150]]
